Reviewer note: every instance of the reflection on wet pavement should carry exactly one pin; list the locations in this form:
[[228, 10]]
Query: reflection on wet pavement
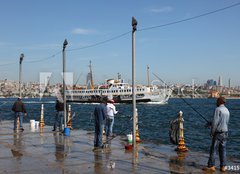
[[44, 151]]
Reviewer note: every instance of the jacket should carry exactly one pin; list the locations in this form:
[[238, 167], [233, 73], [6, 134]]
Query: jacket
[[220, 120], [100, 113], [18, 106], [59, 106]]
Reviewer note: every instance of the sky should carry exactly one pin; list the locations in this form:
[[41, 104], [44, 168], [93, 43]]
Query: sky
[[179, 40]]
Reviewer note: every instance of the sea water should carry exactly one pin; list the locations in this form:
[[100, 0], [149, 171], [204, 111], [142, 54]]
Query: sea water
[[153, 120]]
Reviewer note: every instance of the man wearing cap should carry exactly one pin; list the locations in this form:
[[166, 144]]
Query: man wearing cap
[[111, 111], [19, 109], [219, 134]]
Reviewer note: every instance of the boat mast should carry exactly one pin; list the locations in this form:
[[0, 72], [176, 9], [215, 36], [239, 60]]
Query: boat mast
[[91, 78]]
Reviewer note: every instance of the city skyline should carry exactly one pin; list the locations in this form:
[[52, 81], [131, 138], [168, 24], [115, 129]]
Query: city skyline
[[176, 49]]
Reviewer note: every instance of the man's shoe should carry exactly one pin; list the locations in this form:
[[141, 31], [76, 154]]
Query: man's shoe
[[211, 169], [54, 130], [223, 169], [21, 129]]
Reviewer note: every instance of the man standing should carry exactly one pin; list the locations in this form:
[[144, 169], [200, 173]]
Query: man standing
[[111, 111], [100, 116], [219, 134], [59, 115], [19, 109]]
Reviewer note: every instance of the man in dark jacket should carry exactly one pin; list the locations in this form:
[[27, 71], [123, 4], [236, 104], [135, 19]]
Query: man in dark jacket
[[100, 113], [59, 115], [19, 109]]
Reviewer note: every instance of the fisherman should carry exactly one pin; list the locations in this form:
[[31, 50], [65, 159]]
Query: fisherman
[[19, 109], [59, 115], [219, 134], [100, 113], [111, 111]]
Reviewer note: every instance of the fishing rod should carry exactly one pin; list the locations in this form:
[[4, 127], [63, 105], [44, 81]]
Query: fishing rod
[[195, 110], [105, 144], [208, 122]]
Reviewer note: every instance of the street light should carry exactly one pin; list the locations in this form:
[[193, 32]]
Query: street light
[[20, 75], [134, 28], [64, 84]]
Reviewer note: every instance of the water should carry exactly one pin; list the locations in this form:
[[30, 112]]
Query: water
[[153, 120]]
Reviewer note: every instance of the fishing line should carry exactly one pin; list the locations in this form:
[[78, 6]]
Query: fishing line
[[195, 110], [208, 122], [3, 103]]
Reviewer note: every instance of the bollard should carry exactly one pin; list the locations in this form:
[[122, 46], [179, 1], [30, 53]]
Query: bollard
[[181, 145], [41, 124], [69, 123], [137, 132]]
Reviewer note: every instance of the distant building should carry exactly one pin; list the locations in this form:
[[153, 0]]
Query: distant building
[[220, 83], [211, 83]]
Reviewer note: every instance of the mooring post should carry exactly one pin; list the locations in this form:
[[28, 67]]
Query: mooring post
[[181, 144], [41, 124], [137, 132], [69, 122]]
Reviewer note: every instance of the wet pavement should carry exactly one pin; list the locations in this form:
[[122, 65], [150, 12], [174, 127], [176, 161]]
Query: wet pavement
[[38, 150]]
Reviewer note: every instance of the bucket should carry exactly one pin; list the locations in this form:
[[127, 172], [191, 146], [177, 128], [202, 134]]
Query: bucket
[[67, 131], [32, 123], [36, 124], [129, 137]]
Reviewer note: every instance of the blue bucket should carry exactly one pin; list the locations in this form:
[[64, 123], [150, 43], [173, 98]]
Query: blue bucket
[[67, 131]]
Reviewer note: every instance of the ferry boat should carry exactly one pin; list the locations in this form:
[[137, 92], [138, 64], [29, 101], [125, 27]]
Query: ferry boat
[[120, 92]]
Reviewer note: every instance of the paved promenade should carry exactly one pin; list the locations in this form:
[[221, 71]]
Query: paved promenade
[[36, 151]]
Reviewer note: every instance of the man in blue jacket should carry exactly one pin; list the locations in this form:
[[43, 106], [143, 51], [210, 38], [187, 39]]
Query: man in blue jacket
[[100, 116], [219, 134]]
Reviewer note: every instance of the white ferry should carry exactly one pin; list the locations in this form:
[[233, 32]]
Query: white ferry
[[120, 92]]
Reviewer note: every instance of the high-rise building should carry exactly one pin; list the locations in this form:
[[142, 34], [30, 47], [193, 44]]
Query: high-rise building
[[229, 83], [220, 81]]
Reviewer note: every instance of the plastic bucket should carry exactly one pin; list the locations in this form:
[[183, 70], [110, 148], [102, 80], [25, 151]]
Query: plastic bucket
[[36, 124], [67, 131], [129, 137], [32, 123]]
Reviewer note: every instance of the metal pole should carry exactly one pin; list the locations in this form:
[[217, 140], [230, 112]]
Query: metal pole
[[20, 75], [134, 28], [64, 84]]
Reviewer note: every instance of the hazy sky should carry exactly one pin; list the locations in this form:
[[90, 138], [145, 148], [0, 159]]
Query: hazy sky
[[202, 48]]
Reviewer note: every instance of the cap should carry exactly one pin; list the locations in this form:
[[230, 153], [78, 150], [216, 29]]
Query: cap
[[111, 101]]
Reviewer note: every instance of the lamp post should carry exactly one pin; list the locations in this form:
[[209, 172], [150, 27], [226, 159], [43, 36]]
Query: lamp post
[[64, 84], [134, 28], [20, 75]]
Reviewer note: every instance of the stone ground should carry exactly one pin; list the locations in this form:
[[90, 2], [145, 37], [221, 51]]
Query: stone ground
[[42, 151]]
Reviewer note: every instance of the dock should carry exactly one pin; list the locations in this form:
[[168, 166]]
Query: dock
[[38, 150]]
